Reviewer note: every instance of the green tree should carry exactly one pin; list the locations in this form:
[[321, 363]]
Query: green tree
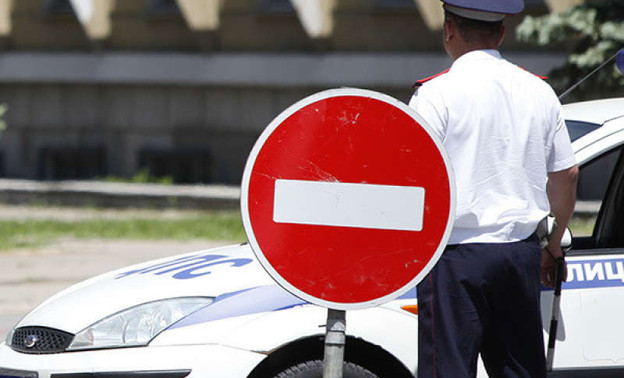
[[593, 32], [3, 125]]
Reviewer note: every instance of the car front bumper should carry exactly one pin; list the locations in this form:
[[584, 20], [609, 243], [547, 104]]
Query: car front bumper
[[5, 373], [148, 362]]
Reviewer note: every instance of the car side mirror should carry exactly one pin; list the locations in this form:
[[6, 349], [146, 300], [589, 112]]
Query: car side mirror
[[566, 241], [619, 60]]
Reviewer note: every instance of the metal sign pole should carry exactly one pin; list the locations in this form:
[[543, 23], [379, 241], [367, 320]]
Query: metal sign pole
[[336, 216], [334, 343]]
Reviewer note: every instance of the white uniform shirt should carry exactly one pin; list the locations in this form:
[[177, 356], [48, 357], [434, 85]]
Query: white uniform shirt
[[504, 131]]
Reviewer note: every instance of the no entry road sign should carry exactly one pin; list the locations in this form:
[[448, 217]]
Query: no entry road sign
[[347, 199]]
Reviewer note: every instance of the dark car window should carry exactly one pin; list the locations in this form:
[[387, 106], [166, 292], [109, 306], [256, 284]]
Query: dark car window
[[594, 179], [595, 175], [577, 129], [609, 232]]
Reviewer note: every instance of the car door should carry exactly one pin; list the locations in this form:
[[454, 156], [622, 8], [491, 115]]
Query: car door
[[590, 338]]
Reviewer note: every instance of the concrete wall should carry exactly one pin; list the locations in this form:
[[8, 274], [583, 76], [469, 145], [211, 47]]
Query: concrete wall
[[234, 25], [126, 121], [184, 87], [93, 114], [38, 25]]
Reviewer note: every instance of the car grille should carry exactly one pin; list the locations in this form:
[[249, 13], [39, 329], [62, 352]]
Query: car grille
[[10, 373], [40, 340]]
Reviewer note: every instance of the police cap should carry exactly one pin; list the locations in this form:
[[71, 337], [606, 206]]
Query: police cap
[[484, 10]]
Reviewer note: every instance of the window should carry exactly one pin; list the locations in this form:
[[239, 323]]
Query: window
[[595, 175], [395, 4], [594, 178], [162, 7], [275, 6], [57, 7], [70, 163], [182, 165], [609, 230], [577, 129]]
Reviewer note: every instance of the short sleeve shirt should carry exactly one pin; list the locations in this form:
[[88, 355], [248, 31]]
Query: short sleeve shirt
[[504, 131]]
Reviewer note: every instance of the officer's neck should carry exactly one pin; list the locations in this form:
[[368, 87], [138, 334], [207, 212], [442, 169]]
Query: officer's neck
[[455, 54], [456, 45]]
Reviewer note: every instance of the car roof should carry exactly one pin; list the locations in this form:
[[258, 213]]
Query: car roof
[[608, 117], [597, 111]]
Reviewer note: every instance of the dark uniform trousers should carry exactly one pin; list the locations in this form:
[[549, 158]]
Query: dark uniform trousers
[[482, 298]]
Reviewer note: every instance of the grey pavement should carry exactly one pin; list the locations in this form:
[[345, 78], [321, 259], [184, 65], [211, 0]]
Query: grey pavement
[[119, 195], [29, 276]]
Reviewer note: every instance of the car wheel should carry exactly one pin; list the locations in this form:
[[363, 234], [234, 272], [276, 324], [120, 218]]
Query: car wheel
[[314, 369]]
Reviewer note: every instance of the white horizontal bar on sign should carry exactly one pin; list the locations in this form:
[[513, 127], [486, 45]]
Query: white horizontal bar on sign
[[387, 207]]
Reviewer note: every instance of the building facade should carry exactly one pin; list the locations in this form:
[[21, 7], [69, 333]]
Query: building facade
[[182, 88]]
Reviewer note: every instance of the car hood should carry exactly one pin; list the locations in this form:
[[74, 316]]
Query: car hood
[[210, 273]]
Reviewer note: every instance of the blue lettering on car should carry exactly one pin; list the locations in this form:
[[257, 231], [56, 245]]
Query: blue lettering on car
[[583, 274], [187, 267]]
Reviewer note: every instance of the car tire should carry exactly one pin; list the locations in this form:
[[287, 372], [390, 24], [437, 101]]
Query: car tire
[[314, 369]]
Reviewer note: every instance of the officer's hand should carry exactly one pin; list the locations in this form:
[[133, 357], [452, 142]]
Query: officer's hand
[[549, 265]]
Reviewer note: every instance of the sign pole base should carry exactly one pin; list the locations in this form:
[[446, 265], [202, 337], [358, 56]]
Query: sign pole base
[[334, 343]]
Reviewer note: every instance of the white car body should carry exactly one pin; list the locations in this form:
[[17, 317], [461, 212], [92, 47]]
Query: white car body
[[253, 323]]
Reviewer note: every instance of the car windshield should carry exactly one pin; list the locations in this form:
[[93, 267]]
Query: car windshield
[[577, 129]]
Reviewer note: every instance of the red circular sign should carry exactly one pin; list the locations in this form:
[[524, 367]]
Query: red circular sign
[[347, 199]]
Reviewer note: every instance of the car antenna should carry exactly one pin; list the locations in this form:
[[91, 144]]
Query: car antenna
[[619, 62]]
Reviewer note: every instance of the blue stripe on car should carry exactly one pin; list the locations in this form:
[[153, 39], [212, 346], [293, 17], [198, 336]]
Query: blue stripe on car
[[582, 274], [245, 302]]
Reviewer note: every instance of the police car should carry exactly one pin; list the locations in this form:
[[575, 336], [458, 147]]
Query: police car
[[216, 313]]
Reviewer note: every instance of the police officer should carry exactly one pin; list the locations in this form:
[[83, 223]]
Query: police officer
[[509, 148]]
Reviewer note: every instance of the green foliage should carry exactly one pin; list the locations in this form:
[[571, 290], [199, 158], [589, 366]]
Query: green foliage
[[225, 225], [3, 110], [143, 176], [582, 225], [594, 32]]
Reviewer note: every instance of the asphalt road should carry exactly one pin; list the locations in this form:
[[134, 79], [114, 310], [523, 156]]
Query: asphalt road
[[29, 276]]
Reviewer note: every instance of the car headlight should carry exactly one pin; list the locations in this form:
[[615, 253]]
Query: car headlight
[[136, 326]]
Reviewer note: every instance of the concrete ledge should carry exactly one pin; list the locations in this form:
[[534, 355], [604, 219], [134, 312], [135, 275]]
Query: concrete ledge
[[105, 194], [587, 208], [297, 70]]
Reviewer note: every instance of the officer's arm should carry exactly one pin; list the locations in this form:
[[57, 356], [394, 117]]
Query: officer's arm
[[561, 190]]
